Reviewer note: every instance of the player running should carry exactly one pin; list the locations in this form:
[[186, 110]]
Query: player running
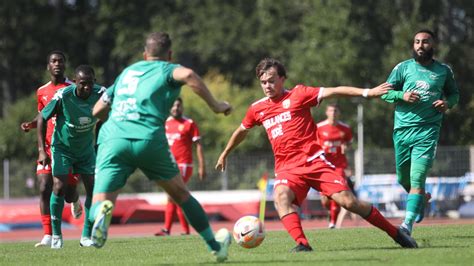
[[56, 65], [300, 162], [181, 133], [334, 137], [424, 89], [72, 147], [137, 106]]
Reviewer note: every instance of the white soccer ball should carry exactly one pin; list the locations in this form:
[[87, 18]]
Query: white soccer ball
[[249, 232]]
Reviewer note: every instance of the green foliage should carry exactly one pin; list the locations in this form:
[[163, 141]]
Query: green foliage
[[439, 245], [217, 129], [13, 141], [322, 43], [328, 49]]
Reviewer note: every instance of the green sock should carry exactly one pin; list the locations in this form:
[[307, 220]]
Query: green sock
[[199, 221], [414, 203], [93, 211], [403, 176], [87, 229], [56, 206]]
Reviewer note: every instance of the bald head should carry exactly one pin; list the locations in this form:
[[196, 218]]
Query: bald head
[[158, 44]]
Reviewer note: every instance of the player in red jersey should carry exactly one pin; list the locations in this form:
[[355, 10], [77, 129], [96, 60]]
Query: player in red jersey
[[181, 133], [334, 137], [300, 162], [56, 65]]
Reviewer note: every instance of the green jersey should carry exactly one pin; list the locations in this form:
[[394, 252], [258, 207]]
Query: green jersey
[[141, 99], [432, 82], [74, 129]]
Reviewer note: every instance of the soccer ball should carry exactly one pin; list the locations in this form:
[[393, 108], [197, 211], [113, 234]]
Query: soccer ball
[[248, 232]]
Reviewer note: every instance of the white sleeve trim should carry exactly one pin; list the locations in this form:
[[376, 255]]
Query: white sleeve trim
[[106, 99], [243, 127], [320, 95]]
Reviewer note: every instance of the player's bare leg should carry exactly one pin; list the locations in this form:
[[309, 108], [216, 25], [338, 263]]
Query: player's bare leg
[[56, 207], [88, 181], [196, 216], [341, 217], [288, 213], [170, 211], [333, 210], [45, 188], [72, 196], [347, 200]]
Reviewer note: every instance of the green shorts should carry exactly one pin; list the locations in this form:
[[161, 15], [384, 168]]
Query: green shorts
[[416, 145], [65, 162], [117, 159]]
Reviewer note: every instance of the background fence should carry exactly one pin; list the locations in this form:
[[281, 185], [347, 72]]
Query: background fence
[[244, 171]]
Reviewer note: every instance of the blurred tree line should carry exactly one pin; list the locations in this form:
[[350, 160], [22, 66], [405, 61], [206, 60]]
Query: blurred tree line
[[321, 42]]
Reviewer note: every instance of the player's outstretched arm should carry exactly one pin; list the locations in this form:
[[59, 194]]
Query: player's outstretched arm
[[26, 126], [353, 91], [200, 157], [101, 108], [237, 137], [190, 78], [41, 134]]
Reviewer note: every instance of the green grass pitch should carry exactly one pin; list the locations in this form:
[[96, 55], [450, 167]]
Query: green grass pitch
[[439, 245]]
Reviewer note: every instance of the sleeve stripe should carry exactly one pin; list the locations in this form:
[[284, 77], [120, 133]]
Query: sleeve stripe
[[320, 95], [243, 127]]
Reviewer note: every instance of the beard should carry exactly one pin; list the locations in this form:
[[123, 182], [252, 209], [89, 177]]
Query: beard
[[425, 57]]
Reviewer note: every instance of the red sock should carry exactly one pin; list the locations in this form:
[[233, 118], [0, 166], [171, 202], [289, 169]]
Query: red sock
[[377, 219], [183, 221], [334, 210], [292, 224], [169, 215], [46, 222]]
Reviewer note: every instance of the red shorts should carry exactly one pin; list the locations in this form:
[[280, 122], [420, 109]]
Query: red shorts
[[340, 171], [318, 174], [46, 170], [186, 171]]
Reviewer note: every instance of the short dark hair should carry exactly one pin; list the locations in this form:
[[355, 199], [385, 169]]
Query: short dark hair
[[433, 35], [86, 69], [268, 63], [333, 104], [157, 44], [58, 52]]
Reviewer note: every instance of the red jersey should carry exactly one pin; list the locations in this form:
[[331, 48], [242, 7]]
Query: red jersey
[[45, 93], [181, 133], [331, 137], [289, 125]]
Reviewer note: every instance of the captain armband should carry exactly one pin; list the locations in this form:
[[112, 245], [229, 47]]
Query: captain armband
[[106, 99], [365, 93]]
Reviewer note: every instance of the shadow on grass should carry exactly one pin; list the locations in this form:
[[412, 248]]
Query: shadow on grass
[[363, 248], [463, 237], [426, 243], [293, 261]]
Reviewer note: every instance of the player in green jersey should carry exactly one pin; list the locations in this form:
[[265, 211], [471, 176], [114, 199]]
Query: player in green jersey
[[136, 107], [72, 145], [424, 89]]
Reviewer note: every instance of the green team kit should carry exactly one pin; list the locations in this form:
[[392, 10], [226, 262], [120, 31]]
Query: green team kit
[[72, 146], [73, 137], [417, 125], [134, 137], [141, 99]]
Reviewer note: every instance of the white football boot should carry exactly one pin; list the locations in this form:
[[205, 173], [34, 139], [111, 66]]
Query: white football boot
[[45, 242]]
